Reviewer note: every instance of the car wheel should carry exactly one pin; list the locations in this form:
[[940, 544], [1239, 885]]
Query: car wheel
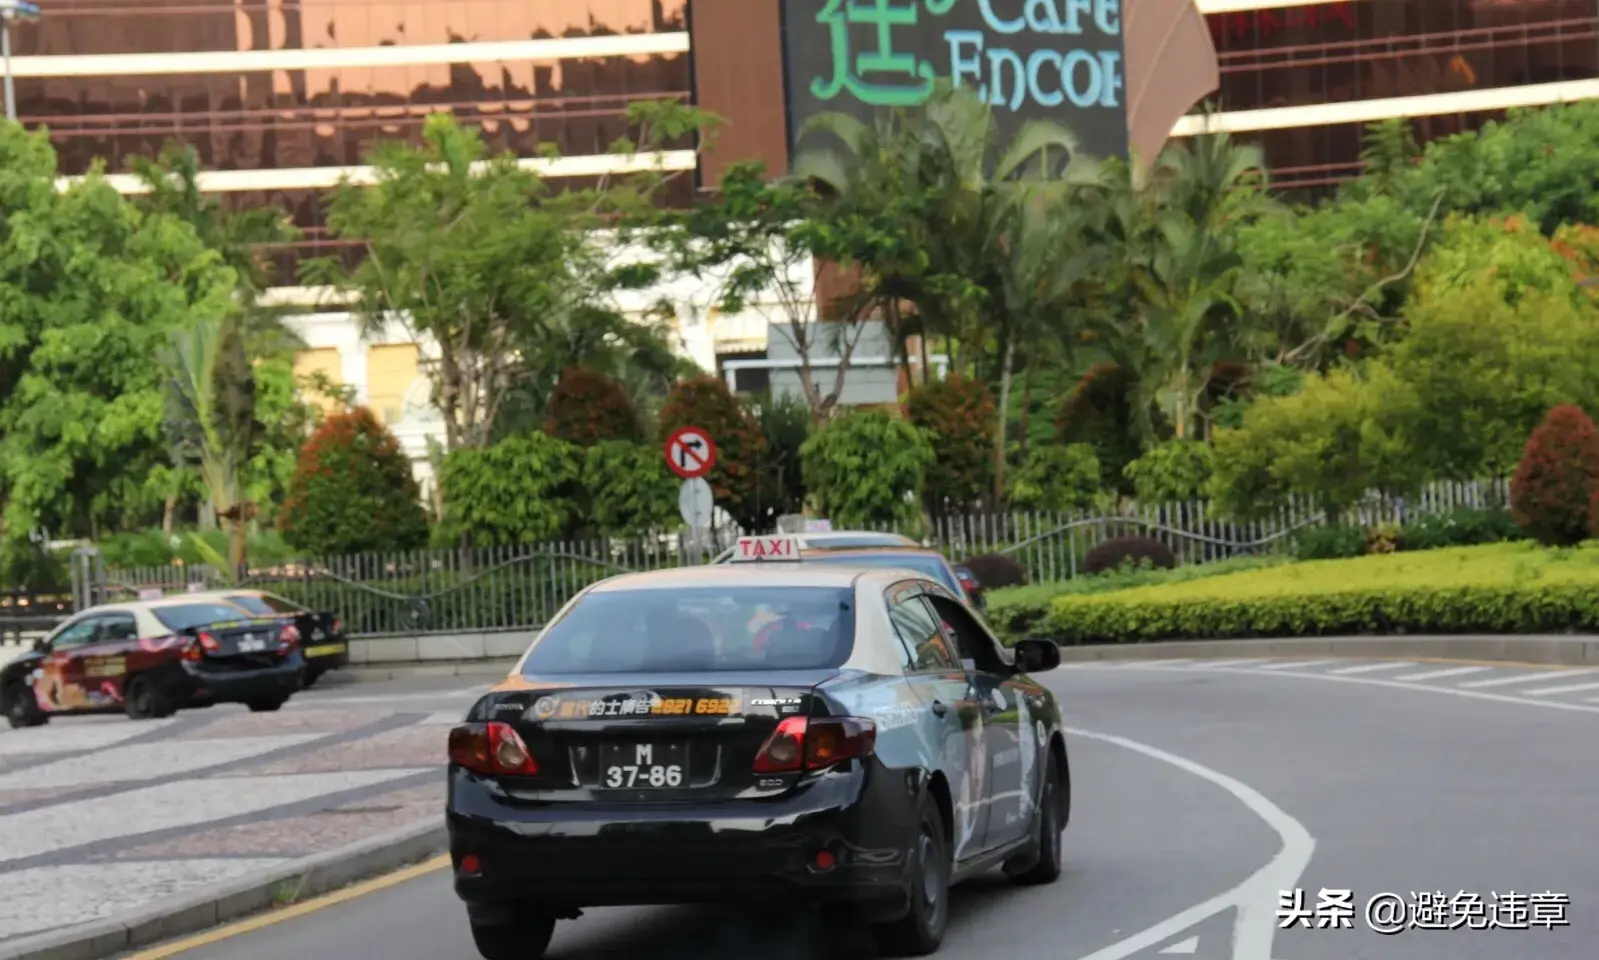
[[1047, 866], [526, 938], [921, 930], [22, 710], [266, 704], [141, 700], [309, 679]]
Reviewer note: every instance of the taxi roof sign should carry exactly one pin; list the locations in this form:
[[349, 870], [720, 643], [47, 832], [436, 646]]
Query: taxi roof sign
[[767, 548]]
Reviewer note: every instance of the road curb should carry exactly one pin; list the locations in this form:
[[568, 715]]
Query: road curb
[[194, 912], [496, 667], [1563, 650]]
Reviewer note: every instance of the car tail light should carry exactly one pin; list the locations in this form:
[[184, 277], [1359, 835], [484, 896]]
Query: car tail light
[[491, 748], [192, 652], [208, 641], [338, 626], [801, 743], [288, 639]]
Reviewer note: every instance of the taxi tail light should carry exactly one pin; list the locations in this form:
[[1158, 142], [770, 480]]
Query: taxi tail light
[[202, 644], [288, 639], [338, 627], [801, 743], [491, 749]]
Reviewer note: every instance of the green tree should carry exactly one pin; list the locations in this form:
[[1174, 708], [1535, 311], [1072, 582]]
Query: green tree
[[509, 278], [1173, 472], [866, 468], [92, 288], [630, 491], [520, 490], [353, 491], [1063, 478]]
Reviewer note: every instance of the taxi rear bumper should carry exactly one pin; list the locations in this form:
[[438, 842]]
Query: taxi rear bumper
[[572, 855]]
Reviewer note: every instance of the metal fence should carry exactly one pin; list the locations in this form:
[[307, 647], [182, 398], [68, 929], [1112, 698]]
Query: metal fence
[[521, 587]]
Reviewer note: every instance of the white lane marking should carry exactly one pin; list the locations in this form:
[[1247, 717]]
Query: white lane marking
[[383, 698], [1568, 688], [1255, 899], [1440, 674], [1213, 664], [1524, 678], [1191, 945], [1167, 663], [1372, 667], [1423, 687], [1298, 664]]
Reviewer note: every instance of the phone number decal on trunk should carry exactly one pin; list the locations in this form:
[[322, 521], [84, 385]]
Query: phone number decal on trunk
[[556, 708]]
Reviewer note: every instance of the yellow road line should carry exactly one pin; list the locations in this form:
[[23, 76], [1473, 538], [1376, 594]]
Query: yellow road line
[[257, 922]]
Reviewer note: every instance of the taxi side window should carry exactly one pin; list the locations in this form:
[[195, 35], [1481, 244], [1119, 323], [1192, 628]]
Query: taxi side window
[[918, 630], [78, 634], [118, 627], [973, 642]]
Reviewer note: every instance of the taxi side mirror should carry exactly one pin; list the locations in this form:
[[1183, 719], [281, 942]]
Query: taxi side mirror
[[41, 645], [1035, 655]]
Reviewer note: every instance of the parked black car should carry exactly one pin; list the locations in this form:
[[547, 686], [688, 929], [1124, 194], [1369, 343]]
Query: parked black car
[[321, 633]]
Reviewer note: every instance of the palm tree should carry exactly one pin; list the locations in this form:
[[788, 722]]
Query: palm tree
[[1174, 239], [210, 418]]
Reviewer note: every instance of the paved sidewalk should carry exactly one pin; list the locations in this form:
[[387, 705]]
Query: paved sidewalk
[[102, 815]]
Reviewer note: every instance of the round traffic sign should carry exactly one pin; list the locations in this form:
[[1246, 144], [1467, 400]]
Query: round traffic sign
[[690, 452]]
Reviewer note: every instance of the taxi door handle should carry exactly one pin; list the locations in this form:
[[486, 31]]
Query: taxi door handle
[[939, 709]]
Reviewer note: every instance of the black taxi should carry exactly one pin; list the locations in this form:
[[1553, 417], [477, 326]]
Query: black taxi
[[819, 733]]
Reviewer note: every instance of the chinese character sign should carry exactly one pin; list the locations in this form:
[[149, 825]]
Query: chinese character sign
[[1059, 60]]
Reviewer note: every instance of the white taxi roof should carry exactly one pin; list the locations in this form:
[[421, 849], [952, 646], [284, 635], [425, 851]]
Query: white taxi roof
[[793, 574]]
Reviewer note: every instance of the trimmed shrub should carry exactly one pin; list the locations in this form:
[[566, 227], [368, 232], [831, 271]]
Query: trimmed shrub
[[1172, 472], [996, 571], [1336, 542], [867, 468], [1017, 612], [520, 490], [736, 480], [1555, 481], [1063, 479], [958, 414], [587, 407], [1502, 588], [352, 491], [1130, 551]]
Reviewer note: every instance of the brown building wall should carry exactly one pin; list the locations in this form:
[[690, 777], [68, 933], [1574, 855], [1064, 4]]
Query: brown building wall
[[738, 75]]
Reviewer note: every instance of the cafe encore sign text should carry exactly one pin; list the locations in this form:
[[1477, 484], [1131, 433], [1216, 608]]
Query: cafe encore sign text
[[1059, 60]]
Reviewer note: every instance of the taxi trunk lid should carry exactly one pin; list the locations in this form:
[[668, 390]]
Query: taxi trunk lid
[[657, 737], [244, 645]]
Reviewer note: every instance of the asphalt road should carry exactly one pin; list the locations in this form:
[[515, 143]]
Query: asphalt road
[[1199, 795]]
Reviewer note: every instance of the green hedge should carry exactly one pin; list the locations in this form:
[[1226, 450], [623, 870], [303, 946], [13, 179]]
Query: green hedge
[[1504, 588], [1016, 612]]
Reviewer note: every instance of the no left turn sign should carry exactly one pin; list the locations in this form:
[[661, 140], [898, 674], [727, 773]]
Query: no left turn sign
[[690, 452]]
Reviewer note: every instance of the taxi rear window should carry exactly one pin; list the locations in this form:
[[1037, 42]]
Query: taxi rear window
[[699, 630], [266, 604], [185, 616]]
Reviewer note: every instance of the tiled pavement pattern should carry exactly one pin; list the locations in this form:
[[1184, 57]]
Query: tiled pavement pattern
[[102, 815], [1567, 688]]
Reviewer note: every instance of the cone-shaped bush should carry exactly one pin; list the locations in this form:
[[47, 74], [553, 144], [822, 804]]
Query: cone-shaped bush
[[1553, 488], [352, 491]]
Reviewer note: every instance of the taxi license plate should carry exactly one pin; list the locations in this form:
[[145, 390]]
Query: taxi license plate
[[644, 766], [250, 643]]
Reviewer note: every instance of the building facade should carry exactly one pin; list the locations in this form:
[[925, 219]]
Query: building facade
[[283, 97]]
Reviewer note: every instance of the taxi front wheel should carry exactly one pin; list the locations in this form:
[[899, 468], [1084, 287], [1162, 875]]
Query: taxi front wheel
[[525, 938]]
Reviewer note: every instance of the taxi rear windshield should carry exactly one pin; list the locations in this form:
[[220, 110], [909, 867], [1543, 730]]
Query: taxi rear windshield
[[925, 564], [186, 616], [699, 630]]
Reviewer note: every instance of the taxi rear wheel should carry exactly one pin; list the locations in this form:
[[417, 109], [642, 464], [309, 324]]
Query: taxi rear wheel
[[1047, 868], [921, 930], [142, 700], [525, 938], [22, 710]]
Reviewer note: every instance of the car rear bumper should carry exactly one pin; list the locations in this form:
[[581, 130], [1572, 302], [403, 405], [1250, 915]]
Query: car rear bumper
[[573, 855], [327, 655], [199, 684]]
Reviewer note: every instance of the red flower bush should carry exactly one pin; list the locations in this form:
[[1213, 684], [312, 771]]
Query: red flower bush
[[352, 491], [959, 413], [1552, 492]]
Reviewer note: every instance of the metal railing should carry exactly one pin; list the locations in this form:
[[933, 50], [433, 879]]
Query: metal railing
[[521, 587]]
